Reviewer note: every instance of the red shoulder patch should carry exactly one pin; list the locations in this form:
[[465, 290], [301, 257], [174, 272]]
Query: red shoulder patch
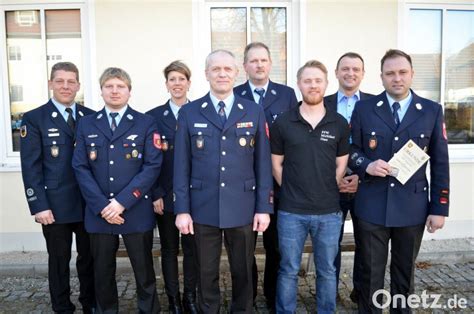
[[157, 140]]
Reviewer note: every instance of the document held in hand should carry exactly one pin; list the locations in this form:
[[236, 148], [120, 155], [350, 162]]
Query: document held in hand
[[407, 161]]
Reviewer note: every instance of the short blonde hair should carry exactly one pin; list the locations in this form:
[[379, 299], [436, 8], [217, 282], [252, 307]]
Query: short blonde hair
[[118, 73], [312, 64]]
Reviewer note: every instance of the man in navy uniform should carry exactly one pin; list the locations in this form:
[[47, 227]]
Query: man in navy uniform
[[275, 99], [223, 182], [349, 73], [117, 160], [388, 211], [47, 144]]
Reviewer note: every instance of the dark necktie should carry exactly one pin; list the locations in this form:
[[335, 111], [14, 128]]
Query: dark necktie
[[260, 91], [113, 125], [396, 118], [70, 120], [222, 112]]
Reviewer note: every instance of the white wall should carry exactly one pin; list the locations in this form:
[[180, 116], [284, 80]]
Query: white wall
[[143, 37], [335, 27]]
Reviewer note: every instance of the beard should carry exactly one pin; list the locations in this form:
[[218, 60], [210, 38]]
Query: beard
[[312, 100]]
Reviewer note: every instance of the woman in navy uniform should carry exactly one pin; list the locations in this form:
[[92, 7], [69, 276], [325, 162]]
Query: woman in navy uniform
[[117, 160], [47, 144], [177, 75]]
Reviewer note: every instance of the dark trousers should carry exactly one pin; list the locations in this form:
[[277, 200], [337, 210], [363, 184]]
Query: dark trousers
[[58, 243], [347, 205], [405, 245], [169, 237], [272, 260], [239, 244], [139, 245]]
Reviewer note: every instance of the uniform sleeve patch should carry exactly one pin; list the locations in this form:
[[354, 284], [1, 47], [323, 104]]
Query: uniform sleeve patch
[[137, 193], [445, 134], [157, 140], [443, 200]]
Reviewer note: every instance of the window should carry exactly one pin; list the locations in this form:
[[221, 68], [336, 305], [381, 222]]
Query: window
[[233, 28], [440, 40], [16, 93], [14, 53], [36, 40]]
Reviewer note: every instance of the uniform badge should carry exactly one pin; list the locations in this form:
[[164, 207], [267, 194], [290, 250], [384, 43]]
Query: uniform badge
[[240, 106], [132, 137], [273, 92], [134, 153], [380, 103], [243, 92], [137, 193], [99, 116], [80, 113], [164, 145], [93, 154], [23, 131], [54, 114], [128, 156], [204, 105], [200, 142], [373, 142], [166, 113], [54, 151], [30, 192], [252, 142], [129, 117], [445, 134], [242, 141], [157, 140], [418, 106]]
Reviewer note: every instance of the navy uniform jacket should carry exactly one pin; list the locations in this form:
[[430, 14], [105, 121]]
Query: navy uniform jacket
[[121, 165], [222, 176], [47, 145], [166, 123], [385, 201], [278, 99], [330, 101]]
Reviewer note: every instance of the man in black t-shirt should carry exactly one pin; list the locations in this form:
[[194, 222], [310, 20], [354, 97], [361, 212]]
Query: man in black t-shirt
[[310, 147]]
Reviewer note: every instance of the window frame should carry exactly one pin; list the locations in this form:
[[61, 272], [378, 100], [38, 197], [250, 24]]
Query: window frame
[[202, 32], [458, 153], [9, 159]]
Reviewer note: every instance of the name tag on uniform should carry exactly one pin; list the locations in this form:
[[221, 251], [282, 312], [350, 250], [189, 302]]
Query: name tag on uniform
[[200, 125], [53, 134]]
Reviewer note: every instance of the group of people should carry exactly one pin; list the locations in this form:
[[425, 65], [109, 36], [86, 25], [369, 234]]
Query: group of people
[[236, 162]]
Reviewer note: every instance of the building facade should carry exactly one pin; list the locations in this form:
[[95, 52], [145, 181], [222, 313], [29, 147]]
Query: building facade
[[144, 36]]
